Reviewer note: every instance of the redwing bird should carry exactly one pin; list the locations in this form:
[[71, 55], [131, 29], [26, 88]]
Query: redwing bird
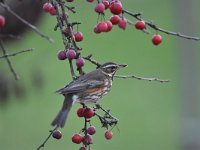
[[88, 88]]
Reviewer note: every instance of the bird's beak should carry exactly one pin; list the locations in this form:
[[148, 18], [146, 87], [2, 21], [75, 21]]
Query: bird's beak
[[122, 65]]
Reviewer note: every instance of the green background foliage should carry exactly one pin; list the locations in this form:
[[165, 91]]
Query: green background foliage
[[148, 112]]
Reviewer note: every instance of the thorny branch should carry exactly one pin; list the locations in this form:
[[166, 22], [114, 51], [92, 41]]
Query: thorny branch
[[34, 28]]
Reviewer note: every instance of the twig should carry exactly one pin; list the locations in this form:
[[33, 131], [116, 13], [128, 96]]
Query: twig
[[8, 61], [14, 54], [155, 27], [45, 141], [70, 8], [92, 60], [9, 36], [140, 78], [34, 28]]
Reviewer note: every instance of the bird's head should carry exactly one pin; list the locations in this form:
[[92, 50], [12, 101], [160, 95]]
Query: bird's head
[[110, 68]]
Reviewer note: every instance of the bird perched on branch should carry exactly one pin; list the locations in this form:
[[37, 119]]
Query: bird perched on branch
[[88, 88]]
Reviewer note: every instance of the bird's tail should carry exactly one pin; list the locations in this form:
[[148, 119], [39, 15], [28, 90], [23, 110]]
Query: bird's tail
[[61, 117]]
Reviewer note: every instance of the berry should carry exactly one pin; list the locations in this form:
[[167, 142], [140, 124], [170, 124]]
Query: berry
[[2, 21], [122, 23], [116, 7], [109, 24], [71, 54], [90, 1], [82, 148], [108, 135], [115, 19], [52, 11], [140, 25], [91, 130], [61, 55], [106, 4], [80, 62], [88, 113], [57, 134], [47, 7], [77, 138], [96, 30], [87, 140], [80, 112], [156, 39], [69, 0], [102, 26], [78, 36], [99, 8]]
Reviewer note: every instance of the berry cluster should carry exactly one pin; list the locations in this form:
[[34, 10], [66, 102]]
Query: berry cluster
[[49, 8]]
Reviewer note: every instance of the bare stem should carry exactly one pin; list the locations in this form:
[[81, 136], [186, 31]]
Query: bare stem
[[45, 141], [17, 53], [140, 78], [89, 58], [8, 61], [34, 28]]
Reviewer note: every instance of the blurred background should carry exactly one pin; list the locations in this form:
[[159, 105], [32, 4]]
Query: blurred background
[[151, 115]]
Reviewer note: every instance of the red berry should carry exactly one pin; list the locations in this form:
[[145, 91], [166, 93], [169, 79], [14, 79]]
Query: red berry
[[80, 62], [102, 26], [96, 30], [90, 1], [106, 4], [62, 55], [115, 19], [2, 21], [47, 7], [78, 36], [77, 138], [87, 140], [91, 130], [156, 39], [108, 135], [140, 25], [82, 148], [116, 7], [99, 8], [52, 11], [71, 54], [88, 113], [57, 134], [109, 24], [80, 112], [122, 23]]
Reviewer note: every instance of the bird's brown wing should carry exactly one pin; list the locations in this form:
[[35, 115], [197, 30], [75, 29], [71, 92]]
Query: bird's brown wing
[[80, 86]]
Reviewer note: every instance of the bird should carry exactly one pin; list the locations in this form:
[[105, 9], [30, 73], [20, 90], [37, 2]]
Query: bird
[[86, 89]]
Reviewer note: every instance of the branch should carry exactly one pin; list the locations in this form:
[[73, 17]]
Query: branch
[[8, 61], [92, 60], [34, 28], [45, 141], [9, 36], [140, 78], [14, 54], [155, 27]]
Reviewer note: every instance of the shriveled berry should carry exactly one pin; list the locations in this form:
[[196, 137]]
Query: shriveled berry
[[102, 26], [80, 112], [71, 54], [140, 25], [87, 140], [115, 19], [99, 8], [122, 23], [78, 36], [109, 24], [2, 21], [106, 4], [116, 7], [156, 39], [47, 7], [57, 134], [80, 62], [77, 138], [88, 112], [62, 55], [91, 130], [108, 135], [82, 148]]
